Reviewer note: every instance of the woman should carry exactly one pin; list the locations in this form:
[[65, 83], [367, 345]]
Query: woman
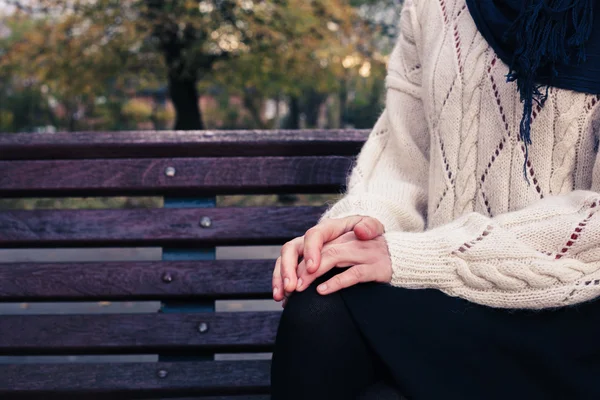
[[479, 187]]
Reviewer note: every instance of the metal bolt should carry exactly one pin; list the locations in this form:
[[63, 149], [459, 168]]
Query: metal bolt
[[170, 171], [162, 373], [203, 327], [167, 277], [206, 222]]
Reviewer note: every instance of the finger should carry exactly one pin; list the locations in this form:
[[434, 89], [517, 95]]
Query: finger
[[302, 272], [342, 255], [368, 228], [278, 291], [352, 276], [290, 252], [317, 236]]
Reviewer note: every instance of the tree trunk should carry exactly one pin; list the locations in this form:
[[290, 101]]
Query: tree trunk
[[184, 96], [71, 106], [252, 102], [293, 121], [312, 108], [343, 103]]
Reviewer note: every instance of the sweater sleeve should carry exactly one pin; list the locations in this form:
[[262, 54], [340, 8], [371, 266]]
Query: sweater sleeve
[[544, 256], [389, 178]]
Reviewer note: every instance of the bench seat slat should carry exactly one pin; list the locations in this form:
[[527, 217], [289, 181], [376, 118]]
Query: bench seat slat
[[247, 397], [155, 227], [182, 280], [144, 144], [135, 380], [137, 333], [200, 176]]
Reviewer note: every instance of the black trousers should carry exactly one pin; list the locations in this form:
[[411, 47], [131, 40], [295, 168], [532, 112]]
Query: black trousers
[[320, 353], [374, 341]]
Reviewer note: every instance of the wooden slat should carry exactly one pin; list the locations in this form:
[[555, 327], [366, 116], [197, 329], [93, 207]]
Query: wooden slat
[[79, 145], [136, 380], [137, 333], [163, 227], [180, 280], [244, 397], [247, 397], [201, 176]]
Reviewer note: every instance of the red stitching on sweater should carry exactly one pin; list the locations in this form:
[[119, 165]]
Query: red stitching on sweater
[[444, 13], [499, 103], [577, 232], [413, 69], [442, 197], [596, 282], [534, 114], [382, 132], [447, 97], [495, 155], [467, 245], [446, 163], [593, 102], [486, 202], [447, 171], [531, 172], [458, 48], [492, 64]]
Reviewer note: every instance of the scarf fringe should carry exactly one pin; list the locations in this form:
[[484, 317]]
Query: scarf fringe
[[548, 33]]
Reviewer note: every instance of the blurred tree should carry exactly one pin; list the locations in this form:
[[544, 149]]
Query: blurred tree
[[74, 52], [77, 46]]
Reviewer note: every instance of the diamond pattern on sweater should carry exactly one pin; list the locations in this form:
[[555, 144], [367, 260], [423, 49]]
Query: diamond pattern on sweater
[[457, 43], [448, 173], [577, 232], [440, 153]]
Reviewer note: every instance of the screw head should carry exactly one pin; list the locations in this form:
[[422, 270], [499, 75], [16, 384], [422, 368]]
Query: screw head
[[203, 327], [162, 373], [170, 171], [206, 222], [167, 277]]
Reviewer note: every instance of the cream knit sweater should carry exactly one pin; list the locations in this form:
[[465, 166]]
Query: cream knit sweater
[[443, 171]]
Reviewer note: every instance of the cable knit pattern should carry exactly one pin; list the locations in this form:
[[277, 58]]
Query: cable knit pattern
[[443, 171]]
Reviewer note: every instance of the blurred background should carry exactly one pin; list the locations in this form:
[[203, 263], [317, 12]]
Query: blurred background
[[68, 65], [117, 65]]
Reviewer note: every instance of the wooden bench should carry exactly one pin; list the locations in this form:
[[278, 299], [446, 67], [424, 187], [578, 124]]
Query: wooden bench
[[188, 169]]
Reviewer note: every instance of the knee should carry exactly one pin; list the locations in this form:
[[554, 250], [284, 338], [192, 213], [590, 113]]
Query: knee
[[310, 313]]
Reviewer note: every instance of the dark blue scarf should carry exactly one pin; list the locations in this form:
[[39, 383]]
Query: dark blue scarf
[[545, 43]]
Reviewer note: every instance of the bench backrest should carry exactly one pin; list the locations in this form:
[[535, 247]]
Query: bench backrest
[[188, 169]]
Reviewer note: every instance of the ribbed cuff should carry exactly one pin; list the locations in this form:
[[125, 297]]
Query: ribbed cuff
[[429, 259]]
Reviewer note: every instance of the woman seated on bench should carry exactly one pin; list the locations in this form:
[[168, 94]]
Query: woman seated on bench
[[479, 186]]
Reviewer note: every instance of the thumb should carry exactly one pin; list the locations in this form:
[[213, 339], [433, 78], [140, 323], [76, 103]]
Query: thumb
[[368, 228]]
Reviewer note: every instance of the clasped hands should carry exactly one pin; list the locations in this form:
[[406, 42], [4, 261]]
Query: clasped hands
[[354, 241]]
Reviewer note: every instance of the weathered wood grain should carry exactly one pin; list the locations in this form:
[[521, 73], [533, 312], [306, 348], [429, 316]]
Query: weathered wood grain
[[137, 333], [162, 227], [135, 380], [183, 280], [81, 145], [174, 176]]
